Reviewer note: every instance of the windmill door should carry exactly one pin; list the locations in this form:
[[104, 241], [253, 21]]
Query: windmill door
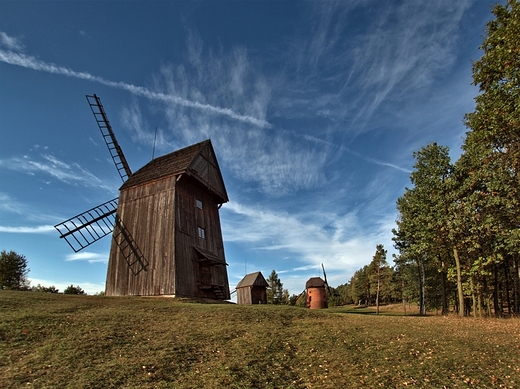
[[205, 275]]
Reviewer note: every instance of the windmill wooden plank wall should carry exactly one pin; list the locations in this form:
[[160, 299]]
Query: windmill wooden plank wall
[[170, 207]]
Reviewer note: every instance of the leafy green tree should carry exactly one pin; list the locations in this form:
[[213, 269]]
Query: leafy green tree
[[274, 289], [71, 289], [45, 289], [489, 200], [360, 287], [460, 224], [345, 295], [13, 271], [293, 299], [422, 237], [286, 297], [333, 297], [405, 281]]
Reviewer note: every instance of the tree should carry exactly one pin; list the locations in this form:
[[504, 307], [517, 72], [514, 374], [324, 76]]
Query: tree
[[380, 272], [13, 271], [71, 289], [460, 224], [45, 289], [274, 289], [490, 167], [422, 236]]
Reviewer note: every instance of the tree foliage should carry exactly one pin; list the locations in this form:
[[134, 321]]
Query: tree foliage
[[275, 292], [71, 289], [459, 225], [13, 271], [379, 274], [45, 289]]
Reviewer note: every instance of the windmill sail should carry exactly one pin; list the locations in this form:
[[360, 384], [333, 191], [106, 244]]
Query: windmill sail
[[108, 135], [325, 277], [88, 227], [129, 249]]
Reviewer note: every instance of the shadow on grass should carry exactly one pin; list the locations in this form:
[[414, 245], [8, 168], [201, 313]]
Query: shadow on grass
[[362, 310]]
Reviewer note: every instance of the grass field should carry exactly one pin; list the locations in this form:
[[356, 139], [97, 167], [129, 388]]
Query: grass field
[[64, 341]]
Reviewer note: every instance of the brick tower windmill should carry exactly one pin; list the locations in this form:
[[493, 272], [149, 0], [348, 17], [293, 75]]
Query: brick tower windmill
[[165, 224]]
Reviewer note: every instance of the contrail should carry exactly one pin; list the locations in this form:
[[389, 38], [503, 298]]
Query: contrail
[[31, 62]]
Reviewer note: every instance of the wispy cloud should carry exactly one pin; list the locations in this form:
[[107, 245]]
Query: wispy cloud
[[11, 43], [346, 78], [28, 230], [8, 204], [69, 173], [30, 62], [376, 161], [88, 256], [311, 238], [142, 133]]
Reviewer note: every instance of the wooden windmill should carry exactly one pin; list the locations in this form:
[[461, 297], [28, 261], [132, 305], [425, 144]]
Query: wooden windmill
[[165, 224]]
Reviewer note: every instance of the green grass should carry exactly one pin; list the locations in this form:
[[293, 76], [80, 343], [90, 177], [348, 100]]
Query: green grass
[[63, 341]]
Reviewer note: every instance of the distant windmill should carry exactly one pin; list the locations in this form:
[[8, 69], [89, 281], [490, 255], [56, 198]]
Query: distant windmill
[[165, 224], [317, 288]]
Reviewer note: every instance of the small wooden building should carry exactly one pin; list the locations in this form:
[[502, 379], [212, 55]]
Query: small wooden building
[[170, 209], [252, 289], [316, 293]]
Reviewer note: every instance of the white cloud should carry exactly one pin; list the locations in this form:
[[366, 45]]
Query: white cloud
[[31, 62], [311, 238], [11, 43], [142, 132], [69, 173], [346, 77], [88, 256], [28, 230]]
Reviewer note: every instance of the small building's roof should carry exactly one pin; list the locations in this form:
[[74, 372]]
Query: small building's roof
[[198, 161], [253, 279], [315, 282]]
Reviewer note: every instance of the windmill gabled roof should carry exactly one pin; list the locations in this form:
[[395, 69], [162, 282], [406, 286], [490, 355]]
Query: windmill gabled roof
[[198, 161], [253, 279], [315, 282]]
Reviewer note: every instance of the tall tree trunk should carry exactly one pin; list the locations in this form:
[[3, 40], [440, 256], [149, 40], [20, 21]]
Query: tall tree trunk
[[459, 281], [474, 297], [422, 277], [508, 295], [496, 306], [377, 295], [404, 299], [444, 310], [516, 285]]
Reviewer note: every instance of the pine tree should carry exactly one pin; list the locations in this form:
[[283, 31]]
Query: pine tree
[[13, 271], [380, 273], [274, 289]]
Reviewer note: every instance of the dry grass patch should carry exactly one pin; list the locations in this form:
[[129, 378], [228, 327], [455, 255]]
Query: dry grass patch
[[92, 342]]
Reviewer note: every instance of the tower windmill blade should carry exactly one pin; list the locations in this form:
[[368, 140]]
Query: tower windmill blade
[[108, 135], [325, 277], [88, 227]]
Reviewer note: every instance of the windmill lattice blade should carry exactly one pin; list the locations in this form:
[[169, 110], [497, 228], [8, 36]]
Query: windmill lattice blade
[[108, 135], [88, 227], [129, 249]]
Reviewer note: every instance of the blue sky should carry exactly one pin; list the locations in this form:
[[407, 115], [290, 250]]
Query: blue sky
[[313, 108]]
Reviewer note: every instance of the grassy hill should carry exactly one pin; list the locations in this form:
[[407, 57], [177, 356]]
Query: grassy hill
[[64, 341]]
